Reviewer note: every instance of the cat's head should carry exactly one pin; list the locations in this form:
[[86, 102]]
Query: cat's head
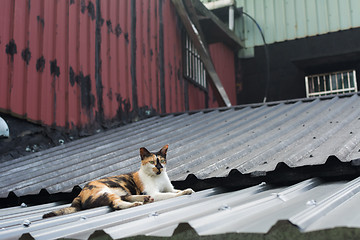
[[153, 163]]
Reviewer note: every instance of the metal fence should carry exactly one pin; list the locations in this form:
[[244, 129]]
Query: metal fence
[[331, 83]]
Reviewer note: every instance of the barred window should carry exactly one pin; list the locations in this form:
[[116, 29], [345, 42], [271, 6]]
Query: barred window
[[331, 83], [193, 66]]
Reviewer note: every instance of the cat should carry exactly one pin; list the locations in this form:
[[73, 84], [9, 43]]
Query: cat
[[151, 183]]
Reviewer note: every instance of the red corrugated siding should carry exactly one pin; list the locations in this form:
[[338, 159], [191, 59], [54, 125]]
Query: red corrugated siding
[[224, 62], [81, 62]]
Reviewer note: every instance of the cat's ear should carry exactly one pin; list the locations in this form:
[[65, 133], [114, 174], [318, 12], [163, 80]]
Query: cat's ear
[[163, 150], [144, 153]]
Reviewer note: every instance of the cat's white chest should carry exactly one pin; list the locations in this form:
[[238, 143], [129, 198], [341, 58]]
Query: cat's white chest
[[155, 184]]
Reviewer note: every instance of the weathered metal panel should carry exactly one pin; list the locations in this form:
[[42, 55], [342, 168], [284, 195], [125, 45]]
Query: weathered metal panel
[[5, 59], [307, 206], [246, 139], [86, 62], [283, 20], [223, 59]]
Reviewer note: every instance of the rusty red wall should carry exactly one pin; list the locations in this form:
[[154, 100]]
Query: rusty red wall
[[75, 63], [224, 62]]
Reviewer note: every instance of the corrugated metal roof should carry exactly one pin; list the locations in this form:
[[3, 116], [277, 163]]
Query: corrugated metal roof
[[254, 140], [309, 205]]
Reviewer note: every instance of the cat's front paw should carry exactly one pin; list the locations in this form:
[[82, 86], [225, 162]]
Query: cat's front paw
[[187, 191], [148, 199]]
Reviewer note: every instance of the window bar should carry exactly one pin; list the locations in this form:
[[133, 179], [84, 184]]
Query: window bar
[[192, 61], [307, 86], [331, 85], [189, 60], [199, 72], [336, 81], [196, 68], [187, 55], [318, 84], [195, 65], [342, 82], [326, 85], [204, 73], [354, 79]]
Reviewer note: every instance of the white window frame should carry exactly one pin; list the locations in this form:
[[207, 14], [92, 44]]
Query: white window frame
[[331, 83], [194, 69]]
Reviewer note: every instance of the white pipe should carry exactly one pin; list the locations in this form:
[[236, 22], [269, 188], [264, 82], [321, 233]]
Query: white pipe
[[231, 17], [219, 4]]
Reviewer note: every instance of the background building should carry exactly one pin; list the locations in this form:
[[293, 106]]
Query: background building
[[85, 63], [303, 38]]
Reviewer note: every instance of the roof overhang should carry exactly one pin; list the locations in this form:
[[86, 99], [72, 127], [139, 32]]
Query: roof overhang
[[214, 29]]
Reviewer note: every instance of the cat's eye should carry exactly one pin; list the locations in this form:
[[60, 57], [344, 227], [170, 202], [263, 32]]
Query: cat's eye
[[163, 161], [152, 162]]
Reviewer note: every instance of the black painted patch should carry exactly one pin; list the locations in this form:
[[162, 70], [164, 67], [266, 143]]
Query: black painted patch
[[126, 35], [40, 64], [91, 10], [72, 76], [26, 55], [41, 21], [110, 94], [54, 68], [133, 55], [126, 114], [109, 26], [82, 6], [99, 115], [11, 48], [87, 98], [72, 2], [118, 30], [123, 111]]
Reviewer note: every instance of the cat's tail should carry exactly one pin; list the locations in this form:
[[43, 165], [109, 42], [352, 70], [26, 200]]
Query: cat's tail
[[75, 207]]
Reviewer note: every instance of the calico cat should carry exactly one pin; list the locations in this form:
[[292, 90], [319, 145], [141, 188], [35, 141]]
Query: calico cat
[[151, 183]]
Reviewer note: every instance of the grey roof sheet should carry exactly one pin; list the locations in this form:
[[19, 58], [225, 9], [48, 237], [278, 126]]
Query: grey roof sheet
[[309, 205], [206, 144]]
